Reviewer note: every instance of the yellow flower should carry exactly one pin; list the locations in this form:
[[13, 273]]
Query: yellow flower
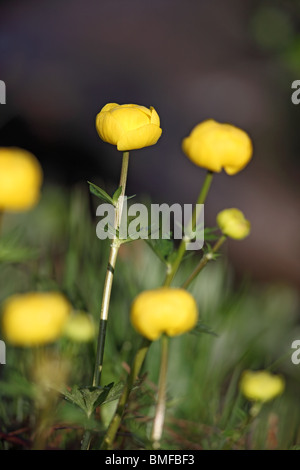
[[20, 179], [261, 386], [215, 146], [34, 318], [79, 327], [232, 223], [163, 310], [128, 126]]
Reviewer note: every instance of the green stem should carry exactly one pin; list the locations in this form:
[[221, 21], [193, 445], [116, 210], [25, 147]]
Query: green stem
[[109, 276], [115, 422], [182, 247], [203, 262], [159, 418], [113, 254]]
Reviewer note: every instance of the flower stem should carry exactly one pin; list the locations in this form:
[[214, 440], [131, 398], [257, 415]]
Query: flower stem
[[203, 262], [135, 369], [109, 276], [159, 418], [113, 254], [182, 247]]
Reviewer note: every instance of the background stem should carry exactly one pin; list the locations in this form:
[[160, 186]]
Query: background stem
[[182, 247], [203, 262], [135, 369], [159, 418]]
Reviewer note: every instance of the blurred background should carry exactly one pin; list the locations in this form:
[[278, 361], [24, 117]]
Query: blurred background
[[231, 61], [192, 60]]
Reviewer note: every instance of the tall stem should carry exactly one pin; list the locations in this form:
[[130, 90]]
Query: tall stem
[[109, 276], [113, 254], [159, 418], [115, 422], [182, 247]]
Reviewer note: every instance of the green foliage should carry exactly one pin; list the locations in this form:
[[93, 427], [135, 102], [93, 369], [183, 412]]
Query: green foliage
[[101, 194], [89, 398], [163, 248], [242, 325]]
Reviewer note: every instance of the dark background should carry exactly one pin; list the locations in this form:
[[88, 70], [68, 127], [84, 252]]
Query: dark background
[[233, 61]]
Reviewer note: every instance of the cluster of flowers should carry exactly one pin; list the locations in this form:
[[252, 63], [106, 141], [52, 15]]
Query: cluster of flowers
[[37, 318]]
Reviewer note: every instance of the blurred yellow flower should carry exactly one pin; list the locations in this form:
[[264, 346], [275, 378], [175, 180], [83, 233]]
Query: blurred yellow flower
[[34, 318], [232, 223], [163, 310], [261, 386], [79, 327], [128, 126], [20, 179], [215, 146]]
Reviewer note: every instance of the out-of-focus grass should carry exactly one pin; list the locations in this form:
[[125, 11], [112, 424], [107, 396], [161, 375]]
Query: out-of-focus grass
[[254, 327]]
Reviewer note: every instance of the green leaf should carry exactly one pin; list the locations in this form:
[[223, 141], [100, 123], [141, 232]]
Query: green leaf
[[116, 195], [202, 328], [100, 193], [209, 233], [88, 398], [114, 392], [163, 248]]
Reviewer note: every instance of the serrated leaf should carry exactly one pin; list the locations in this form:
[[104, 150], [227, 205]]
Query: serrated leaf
[[114, 392], [100, 193], [88, 398], [202, 328]]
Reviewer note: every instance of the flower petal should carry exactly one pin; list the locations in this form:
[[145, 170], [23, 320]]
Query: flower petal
[[109, 107], [108, 128], [139, 138], [130, 118], [154, 117]]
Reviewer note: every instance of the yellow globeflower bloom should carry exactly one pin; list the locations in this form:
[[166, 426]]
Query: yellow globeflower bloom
[[20, 179], [34, 318], [261, 385], [163, 310], [232, 223], [215, 146], [80, 327], [128, 126]]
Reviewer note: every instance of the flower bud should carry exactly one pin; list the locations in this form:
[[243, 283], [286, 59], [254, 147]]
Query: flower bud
[[128, 126], [34, 318], [80, 327], [20, 179], [163, 310], [215, 146], [232, 223], [261, 386]]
